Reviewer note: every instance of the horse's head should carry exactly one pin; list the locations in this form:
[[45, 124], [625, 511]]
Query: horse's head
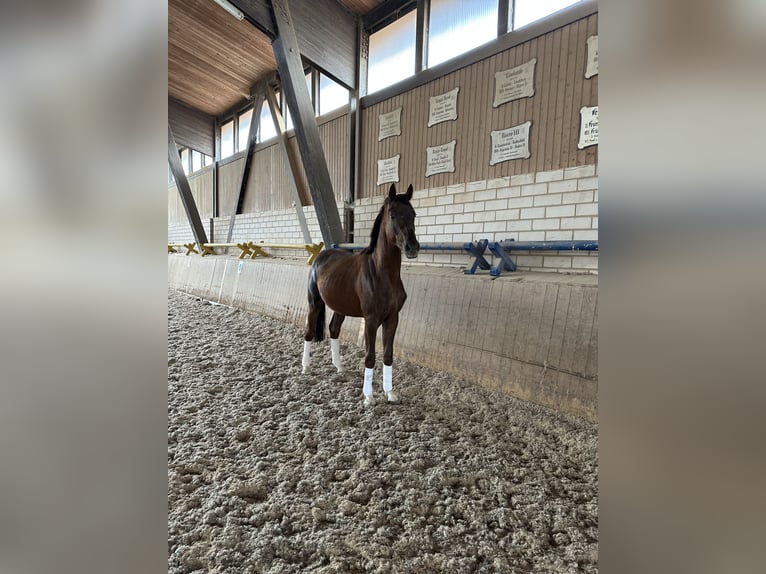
[[400, 221]]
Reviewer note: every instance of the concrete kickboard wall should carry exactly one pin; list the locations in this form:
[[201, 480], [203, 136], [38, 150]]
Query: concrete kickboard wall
[[531, 335]]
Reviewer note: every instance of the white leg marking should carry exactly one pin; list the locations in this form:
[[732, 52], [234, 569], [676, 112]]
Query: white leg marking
[[388, 375], [367, 390], [388, 384], [335, 351], [306, 355]]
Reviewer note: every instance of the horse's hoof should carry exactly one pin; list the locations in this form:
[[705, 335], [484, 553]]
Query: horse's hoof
[[304, 370], [392, 398], [369, 401]]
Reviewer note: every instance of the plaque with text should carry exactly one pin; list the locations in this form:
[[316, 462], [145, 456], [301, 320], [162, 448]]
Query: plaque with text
[[591, 65], [390, 124], [440, 158], [588, 127], [511, 143], [516, 83], [388, 170], [443, 107]]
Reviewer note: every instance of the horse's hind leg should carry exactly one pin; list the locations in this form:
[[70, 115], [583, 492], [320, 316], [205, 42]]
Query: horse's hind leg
[[389, 331], [309, 335], [335, 324]]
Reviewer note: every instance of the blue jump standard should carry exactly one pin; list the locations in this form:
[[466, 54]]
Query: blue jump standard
[[500, 249]]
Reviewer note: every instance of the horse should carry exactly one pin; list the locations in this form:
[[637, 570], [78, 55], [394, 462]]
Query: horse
[[366, 284]]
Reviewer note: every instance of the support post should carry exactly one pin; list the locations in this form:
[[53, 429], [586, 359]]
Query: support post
[[255, 125], [423, 17], [292, 168], [503, 11], [184, 189], [355, 123], [290, 67]]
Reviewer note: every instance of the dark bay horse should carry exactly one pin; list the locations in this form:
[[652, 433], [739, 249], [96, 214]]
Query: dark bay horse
[[367, 284]]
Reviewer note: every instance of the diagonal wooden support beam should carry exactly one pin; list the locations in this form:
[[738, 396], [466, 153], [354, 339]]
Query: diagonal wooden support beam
[[184, 189], [255, 125], [289, 159], [288, 58]]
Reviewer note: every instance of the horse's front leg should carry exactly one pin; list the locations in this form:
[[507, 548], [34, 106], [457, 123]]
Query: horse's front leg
[[389, 331], [370, 333]]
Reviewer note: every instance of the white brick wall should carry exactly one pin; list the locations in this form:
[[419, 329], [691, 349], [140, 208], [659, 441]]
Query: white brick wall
[[553, 205], [180, 234], [268, 227]]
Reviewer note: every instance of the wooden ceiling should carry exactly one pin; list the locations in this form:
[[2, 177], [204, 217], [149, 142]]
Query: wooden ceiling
[[215, 59], [360, 7]]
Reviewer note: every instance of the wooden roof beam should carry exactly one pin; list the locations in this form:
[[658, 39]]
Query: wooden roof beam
[[291, 73]]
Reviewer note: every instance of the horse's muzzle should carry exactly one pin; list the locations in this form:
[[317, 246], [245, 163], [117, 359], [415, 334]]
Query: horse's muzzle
[[411, 250]]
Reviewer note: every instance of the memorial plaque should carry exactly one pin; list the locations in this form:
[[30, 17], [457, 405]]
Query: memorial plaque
[[390, 124], [388, 170], [516, 83], [511, 143], [442, 107], [588, 127], [440, 158], [591, 65]]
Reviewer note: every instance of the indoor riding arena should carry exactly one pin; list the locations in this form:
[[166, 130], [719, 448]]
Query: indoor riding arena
[[295, 130]]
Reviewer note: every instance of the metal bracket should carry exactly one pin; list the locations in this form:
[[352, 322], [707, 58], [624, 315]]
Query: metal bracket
[[505, 259], [477, 250]]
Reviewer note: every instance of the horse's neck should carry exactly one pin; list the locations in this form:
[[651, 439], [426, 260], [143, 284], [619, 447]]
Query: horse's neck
[[388, 257]]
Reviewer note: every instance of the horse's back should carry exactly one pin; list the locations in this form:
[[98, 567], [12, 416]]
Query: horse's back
[[327, 256]]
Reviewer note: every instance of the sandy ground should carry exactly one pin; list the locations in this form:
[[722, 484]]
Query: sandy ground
[[273, 471]]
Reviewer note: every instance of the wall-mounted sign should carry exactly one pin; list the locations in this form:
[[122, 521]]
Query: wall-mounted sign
[[442, 107], [388, 169], [516, 83], [390, 124], [591, 64], [511, 143], [588, 127], [440, 158]]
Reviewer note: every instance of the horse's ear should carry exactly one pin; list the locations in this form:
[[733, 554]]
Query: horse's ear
[[409, 192], [392, 191]]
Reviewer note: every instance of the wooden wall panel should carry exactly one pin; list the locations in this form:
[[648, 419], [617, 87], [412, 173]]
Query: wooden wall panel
[[202, 189], [268, 187], [228, 186], [201, 184], [335, 142], [175, 209], [560, 91]]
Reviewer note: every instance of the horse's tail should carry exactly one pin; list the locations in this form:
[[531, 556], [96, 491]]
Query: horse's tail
[[320, 324], [316, 302]]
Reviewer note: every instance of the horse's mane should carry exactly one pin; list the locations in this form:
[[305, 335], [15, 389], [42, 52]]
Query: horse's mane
[[375, 231]]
